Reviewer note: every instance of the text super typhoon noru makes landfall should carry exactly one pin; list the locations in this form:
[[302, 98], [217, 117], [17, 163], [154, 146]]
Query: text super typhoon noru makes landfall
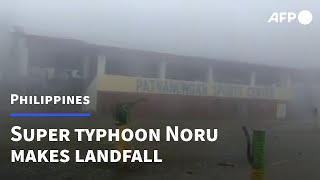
[[112, 135]]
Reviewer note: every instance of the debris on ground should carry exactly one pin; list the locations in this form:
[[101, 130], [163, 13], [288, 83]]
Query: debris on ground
[[279, 162], [226, 164]]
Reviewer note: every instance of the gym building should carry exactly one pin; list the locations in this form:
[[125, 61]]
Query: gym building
[[173, 86]]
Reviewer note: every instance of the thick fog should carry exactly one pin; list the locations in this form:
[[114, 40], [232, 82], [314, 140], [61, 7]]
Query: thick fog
[[227, 30]]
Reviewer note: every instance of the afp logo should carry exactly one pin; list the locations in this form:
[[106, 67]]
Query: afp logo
[[304, 17]]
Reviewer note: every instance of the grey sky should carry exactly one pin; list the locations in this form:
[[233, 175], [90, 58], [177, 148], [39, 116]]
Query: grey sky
[[234, 30]]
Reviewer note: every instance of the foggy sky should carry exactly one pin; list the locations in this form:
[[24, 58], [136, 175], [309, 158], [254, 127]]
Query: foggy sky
[[235, 30]]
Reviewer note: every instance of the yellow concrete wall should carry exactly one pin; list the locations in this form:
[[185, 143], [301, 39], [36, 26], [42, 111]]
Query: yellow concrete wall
[[115, 83]]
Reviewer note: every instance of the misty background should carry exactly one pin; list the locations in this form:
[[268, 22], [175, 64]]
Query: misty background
[[230, 30], [223, 30]]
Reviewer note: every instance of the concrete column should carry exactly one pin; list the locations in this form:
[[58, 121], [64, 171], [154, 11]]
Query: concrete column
[[285, 80], [101, 65], [22, 57], [163, 70], [281, 111], [92, 88], [210, 75], [86, 67], [288, 81], [253, 79]]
